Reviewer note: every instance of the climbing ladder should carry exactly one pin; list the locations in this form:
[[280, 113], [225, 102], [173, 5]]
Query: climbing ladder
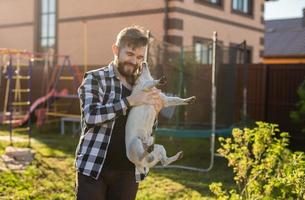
[[17, 99], [60, 103]]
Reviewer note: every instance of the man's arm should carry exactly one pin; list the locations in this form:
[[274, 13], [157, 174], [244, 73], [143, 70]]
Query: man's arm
[[91, 96]]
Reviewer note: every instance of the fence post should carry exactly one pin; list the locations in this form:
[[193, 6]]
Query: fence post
[[266, 92], [180, 87], [245, 80]]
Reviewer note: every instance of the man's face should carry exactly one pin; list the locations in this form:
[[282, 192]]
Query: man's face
[[129, 60]]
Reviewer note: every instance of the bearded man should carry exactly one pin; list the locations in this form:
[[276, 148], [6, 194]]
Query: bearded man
[[103, 169]]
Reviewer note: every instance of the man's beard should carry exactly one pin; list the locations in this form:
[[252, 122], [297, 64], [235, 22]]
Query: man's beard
[[130, 76]]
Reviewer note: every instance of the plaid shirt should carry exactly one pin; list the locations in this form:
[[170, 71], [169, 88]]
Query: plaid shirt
[[101, 104]]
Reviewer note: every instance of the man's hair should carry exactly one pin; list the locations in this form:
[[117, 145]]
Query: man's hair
[[132, 36]]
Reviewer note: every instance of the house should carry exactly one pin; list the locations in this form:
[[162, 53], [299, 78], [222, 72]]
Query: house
[[285, 41], [85, 30]]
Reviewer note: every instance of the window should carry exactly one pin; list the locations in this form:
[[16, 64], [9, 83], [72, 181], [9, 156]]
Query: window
[[239, 55], [203, 53], [248, 55], [212, 3], [203, 50], [47, 25], [242, 6]]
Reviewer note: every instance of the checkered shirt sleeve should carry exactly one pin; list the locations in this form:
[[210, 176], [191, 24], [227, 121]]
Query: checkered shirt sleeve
[[94, 110]]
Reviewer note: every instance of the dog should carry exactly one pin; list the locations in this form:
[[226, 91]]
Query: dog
[[140, 147]]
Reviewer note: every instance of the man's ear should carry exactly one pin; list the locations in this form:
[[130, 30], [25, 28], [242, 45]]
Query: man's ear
[[115, 50]]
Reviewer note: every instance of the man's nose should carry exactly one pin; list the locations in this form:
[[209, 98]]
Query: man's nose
[[133, 60]]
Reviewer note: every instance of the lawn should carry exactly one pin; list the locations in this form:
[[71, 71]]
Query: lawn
[[51, 175]]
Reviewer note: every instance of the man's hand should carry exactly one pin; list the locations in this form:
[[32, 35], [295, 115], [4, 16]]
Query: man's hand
[[151, 97], [159, 104]]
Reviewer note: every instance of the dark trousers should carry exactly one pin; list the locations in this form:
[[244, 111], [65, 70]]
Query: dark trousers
[[111, 185]]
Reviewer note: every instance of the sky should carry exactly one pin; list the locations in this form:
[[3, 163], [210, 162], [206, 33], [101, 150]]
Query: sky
[[283, 9]]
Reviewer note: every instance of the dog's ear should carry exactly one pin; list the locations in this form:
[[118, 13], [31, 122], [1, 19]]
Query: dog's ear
[[138, 72], [136, 75], [143, 65]]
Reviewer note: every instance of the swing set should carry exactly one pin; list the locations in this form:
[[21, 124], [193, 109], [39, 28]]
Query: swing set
[[19, 108]]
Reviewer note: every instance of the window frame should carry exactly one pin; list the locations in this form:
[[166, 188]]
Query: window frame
[[39, 37], [249, 51], [249, 14], [219, 5], [203, 40]]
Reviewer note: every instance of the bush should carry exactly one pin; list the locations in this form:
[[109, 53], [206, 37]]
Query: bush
[[263, 167]]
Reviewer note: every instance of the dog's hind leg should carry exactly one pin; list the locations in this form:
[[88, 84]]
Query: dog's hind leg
[[152, 159], [171, 159], [155, 156], [159, 150], [136, 152]]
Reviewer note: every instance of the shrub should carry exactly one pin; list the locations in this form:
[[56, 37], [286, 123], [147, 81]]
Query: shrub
[[263, 167]]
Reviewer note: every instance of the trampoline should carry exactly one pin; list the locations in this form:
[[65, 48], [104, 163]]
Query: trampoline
[[191, 133], [205, 132]]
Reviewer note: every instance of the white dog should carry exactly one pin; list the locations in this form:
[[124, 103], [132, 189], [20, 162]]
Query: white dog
[[139, 141]]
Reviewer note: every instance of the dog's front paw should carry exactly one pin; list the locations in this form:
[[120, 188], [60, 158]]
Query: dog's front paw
[[162, 80], [190, 100], [180, 155]]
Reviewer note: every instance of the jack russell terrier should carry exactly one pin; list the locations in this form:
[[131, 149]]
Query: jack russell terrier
[[140, 147]]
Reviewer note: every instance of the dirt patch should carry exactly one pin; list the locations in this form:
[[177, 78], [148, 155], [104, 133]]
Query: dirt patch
[[16, 159]]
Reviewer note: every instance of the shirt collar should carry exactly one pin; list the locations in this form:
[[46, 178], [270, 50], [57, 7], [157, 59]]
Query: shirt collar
[[112, 70]]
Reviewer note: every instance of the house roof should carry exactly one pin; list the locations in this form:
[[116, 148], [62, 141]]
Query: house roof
[[285, 37]]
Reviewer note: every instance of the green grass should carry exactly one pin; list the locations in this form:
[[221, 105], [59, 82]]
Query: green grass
[[52, 175]]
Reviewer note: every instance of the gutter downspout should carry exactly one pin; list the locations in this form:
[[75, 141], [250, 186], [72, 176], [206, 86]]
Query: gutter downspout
[[165, 22]]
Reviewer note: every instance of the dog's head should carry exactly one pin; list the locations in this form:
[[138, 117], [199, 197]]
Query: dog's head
[[144, 74]]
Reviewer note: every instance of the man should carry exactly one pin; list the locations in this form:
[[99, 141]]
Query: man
[[103, 169]]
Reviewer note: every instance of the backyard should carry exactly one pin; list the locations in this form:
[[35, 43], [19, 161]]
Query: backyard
[[52, 175]]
